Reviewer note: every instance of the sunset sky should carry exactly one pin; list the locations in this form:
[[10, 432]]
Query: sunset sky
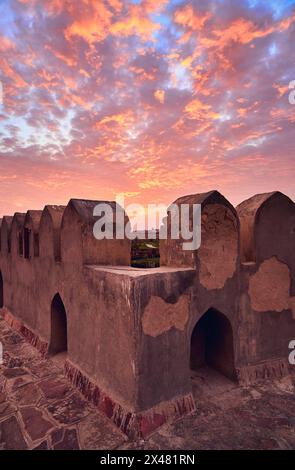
[[151, 98]]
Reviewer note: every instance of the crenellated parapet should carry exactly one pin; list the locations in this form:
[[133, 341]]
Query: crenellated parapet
[[17, 229], [63, 233], [31, 234], [78, 243], [49, 232], [6, 235], [133, 338], [267, 227], [217, 258]]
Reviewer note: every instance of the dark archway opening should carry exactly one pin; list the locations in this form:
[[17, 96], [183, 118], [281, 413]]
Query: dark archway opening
[[1, 291], [212, 344], [36, 245], [20, 244], [26, 243], [58, 336]]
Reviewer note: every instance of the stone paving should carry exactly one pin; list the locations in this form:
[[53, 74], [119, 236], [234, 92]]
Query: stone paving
[[260, 417], [39, 409]]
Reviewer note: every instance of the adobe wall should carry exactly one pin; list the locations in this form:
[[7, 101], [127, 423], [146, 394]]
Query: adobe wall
[[96, 304], [78, 243], [267, 302], [211, 280], [129, 330], [6, 255]]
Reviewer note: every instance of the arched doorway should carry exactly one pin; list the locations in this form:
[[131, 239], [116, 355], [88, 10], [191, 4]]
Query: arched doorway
[[1, 291], [58, 336], [212, 344]]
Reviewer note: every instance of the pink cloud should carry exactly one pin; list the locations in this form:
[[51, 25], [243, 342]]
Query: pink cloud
[[151, 99]]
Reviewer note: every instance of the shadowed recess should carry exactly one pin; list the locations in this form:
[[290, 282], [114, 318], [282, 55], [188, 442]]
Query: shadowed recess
[[58, 339], [212, 344]]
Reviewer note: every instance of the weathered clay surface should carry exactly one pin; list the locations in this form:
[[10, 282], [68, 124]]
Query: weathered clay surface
[[267, 228], [160, 316], [219, 248], [269, 288], [128, 334], [292, 306]]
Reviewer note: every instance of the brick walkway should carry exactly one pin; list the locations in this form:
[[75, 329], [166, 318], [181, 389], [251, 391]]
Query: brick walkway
[[39, 409]]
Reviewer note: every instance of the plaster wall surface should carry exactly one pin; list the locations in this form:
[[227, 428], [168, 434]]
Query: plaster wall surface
[[129, 330]]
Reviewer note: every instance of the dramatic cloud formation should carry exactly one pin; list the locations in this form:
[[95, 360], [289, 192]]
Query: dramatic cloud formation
[[150, 98]]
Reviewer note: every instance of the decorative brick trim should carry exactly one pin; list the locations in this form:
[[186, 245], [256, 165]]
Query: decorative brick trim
[[27, 333], [134, 424], [165, 412], [275, 368]]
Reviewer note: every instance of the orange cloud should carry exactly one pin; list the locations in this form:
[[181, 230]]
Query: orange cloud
[[240, 30], [281, 89], [6, 44], [93, 22], [123, 118], [160, 96], [136, 22], [196, 109], [94, 94], [188, 18], [117, 5]]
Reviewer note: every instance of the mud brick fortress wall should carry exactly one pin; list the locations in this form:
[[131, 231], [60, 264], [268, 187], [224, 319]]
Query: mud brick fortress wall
[[133, 336]]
